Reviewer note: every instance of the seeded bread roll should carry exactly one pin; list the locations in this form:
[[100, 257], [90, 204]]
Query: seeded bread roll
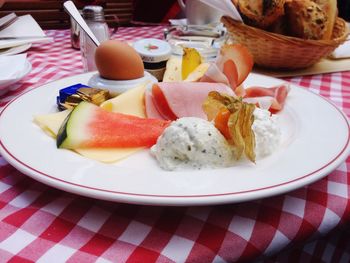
[[260, 13], [329, 7], [306, 19]]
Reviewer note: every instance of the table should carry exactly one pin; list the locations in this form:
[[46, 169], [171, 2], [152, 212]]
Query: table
[[42, 224]]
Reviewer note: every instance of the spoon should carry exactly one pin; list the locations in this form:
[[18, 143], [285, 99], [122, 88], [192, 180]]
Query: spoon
[[70, 7]]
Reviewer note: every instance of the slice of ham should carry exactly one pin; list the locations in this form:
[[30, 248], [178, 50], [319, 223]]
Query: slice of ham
[[272, 98], [151, 110], [232, 66], [184, 99]]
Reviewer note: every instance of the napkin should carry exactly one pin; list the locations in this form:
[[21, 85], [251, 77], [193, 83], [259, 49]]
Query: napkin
[[226, 7], [11, 67], [178, 22], [343, 51], [24, 27]]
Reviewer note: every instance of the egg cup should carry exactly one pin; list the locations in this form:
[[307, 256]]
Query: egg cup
[[117, 87]]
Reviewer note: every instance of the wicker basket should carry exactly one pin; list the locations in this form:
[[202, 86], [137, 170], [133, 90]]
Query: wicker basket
[[273, 50]]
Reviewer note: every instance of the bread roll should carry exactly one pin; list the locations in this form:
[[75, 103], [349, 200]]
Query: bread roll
[[306, 19], [261, 13], [329, 7]]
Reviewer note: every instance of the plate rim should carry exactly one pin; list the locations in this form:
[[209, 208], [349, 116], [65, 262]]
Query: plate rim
[[179, 200], [22, 48]]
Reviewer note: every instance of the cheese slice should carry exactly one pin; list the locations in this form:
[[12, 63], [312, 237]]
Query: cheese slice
[[51, 123], [130, 102]]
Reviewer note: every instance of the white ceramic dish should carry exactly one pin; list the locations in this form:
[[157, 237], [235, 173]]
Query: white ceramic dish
[[118, 86], [15, 50], [5, 84], [311, 148]]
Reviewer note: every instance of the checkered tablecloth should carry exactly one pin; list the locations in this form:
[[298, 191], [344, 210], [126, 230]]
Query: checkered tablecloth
[[42, 224]]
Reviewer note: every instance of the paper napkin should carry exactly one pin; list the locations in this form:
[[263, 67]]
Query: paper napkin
[[24, 26], [226, 7], [343, 51]]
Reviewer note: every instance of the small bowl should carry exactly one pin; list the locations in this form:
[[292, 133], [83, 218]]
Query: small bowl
[[117, 87]]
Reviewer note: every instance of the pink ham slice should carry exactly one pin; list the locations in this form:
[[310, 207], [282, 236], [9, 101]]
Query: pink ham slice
[[184, 99], [272, 98], [151, 110]]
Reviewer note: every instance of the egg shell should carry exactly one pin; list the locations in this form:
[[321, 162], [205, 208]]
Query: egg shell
[[116, 60]]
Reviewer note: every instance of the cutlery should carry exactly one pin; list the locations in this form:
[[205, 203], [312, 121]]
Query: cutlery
[[24, 38], [7, 20], [70, 7]]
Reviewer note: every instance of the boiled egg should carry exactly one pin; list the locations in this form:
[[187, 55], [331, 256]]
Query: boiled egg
[[116, 60]]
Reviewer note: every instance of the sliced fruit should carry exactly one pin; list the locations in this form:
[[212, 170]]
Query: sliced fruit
[[242, 59], [191, 59], [89, 126]]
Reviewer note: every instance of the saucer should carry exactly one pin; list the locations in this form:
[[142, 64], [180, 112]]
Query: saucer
[[6, 83], [15, 50], [116, 87]]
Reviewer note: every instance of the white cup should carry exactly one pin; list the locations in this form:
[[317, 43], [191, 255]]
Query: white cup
[[199, 13]]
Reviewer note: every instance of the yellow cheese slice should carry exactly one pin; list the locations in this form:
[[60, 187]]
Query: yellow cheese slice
[[51, 123], [129, 102]]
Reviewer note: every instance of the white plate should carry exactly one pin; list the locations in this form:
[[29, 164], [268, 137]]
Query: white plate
[[5, 84], [15, 50], [315, 141]]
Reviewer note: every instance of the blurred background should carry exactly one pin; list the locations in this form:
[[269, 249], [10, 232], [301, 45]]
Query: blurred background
[[50, 14]]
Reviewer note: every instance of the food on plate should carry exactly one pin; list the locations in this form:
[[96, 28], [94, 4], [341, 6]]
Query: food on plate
[[232, 66], [89, 126], [267, 132], [204, 120], [116, 60], [172, 100], [71, 96], [50, 124], [173, 69], [272, 98], [130, 102], [191, 59], [234, 127], [234, 118], [198, 72], [193, 143], [261, 13]]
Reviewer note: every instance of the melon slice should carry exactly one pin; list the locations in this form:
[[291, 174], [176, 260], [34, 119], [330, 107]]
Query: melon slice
[[89, 126]]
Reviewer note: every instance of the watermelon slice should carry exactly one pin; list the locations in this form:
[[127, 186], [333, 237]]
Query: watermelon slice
[[89, 126]]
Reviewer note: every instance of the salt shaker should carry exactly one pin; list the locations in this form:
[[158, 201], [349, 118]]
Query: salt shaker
[[94, 18]]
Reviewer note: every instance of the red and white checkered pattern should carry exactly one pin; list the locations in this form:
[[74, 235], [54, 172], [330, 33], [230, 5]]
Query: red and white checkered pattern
[[42, 224]]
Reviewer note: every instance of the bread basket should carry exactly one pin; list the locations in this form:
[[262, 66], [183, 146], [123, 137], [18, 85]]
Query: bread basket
[[277, 51]]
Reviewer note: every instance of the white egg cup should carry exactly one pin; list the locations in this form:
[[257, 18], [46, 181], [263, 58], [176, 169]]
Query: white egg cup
[[117, 87]]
